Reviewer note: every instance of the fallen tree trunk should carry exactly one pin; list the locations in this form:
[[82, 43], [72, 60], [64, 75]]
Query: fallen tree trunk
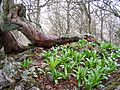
[[39, 39], [36, 37]]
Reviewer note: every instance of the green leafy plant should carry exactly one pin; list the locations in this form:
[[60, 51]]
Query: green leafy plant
[[53, 65], [89, 67], [82, 43], [92, 44], [26, 63], [81, 74], [91, 63], [107, 46], [94, 78]]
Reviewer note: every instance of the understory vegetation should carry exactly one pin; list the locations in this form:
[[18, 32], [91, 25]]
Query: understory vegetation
[[88, 62], [81, 65]]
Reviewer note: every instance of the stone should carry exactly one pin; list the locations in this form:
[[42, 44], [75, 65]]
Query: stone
[[3, 81], [34, 88], [20, 87], [26, 86], [118, 88]]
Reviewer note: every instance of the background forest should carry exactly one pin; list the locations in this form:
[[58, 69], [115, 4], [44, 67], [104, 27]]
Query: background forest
[[100, 18]]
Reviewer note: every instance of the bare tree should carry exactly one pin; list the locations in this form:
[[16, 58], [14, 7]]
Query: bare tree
[[110, 6], [68, 15]]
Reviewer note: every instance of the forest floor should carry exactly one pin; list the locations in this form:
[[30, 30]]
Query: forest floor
[[35, 78]]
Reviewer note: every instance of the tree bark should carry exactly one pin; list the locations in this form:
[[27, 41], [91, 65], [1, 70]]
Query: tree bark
[[39, 39], [10, 43]]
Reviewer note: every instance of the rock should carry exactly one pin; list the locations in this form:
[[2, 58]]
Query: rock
[[34, 88], [22, 39], [3, 81], [19, 88], [118, 88], [26, 86]]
